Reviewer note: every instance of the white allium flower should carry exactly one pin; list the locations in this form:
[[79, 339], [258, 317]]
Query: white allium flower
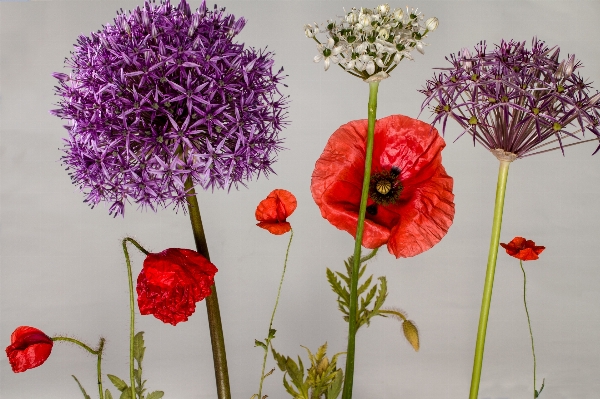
[[371, 42]]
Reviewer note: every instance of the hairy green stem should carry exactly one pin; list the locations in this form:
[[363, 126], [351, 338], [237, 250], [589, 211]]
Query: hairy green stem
[[529, 324], [268, 340], [212, 302], [489, 278], [131, 309], [97, 352], [352, 322]]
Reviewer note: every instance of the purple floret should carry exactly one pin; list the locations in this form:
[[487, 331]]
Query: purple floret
[[164, 95], [515, 99]]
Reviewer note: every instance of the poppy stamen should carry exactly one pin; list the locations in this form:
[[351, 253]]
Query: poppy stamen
[[385, 187]]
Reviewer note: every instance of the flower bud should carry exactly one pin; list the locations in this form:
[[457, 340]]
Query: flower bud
[[411, 333], [431, 24]]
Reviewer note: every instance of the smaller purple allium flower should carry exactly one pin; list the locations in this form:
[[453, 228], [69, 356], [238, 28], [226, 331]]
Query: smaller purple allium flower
[[164, 95], [513, 100]]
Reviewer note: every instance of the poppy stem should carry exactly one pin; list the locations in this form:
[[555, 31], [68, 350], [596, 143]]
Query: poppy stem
[[212, 302], [131, 309], [269, 335], [97, 352], [352, 322], [489, 278]]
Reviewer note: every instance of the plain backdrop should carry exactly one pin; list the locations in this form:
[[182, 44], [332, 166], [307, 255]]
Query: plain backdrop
[[63, 271]]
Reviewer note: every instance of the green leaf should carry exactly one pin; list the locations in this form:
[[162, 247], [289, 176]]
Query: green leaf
[[138, 347], [108, 395], [117, 382], [155, 395], [259, 343], [85, 395], [334, 389]]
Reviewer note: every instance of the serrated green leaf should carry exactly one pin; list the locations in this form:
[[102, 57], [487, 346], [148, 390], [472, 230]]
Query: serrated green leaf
[[155, 395], [85, 395], [335, 387], [108, 395], [259, 343], [138, 347], [117, 382]]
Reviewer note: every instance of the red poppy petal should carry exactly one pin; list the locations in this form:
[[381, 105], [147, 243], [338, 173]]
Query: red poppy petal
[[275, 228], [427, 199], [29, 348]]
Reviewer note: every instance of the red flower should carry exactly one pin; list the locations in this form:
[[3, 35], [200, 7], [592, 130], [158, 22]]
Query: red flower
[[523, 249], [29, 348], [171, 282], [410, 196], [273, 211]]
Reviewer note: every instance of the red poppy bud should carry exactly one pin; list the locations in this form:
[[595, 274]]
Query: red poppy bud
[[523, 249], [29, 348], [273, 211], [410, 206], [171, 282]]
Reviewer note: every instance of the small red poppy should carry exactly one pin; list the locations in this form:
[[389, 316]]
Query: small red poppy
[[29, 348], [273, 211], [171, 282], [410, 203], [523, 249]]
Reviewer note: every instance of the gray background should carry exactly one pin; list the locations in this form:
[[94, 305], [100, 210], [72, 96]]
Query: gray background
[[62, 269]]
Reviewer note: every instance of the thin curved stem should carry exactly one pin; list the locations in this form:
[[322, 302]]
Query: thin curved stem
[[97, 352], [352, 322], [269, 336], [529, 324], [212, 301], [489, 278]]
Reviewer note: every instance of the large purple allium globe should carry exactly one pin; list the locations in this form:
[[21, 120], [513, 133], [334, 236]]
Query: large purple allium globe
[[164, 95]]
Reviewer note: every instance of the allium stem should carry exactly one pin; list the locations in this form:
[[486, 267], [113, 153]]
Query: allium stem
[[269, 337], [352, 322], [212, 302], [97, 352], [131, 309], [489, 278]]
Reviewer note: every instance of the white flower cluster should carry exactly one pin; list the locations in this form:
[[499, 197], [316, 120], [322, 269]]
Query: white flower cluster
[[369, 43]]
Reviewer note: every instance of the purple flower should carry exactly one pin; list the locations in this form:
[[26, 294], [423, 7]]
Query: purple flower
[[513, 100], [164, 95]]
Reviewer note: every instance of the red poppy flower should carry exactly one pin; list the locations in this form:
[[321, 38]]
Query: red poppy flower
[[29, 348], [410, 196], [273, 211], [171, 282], [523, 249]]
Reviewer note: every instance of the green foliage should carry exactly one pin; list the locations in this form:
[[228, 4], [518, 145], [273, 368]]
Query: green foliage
[[369, 293], [138, 355], [85, 395], [323, 379]]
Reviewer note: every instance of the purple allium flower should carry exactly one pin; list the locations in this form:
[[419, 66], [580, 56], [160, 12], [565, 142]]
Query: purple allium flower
[[513, 99], [164, 95]]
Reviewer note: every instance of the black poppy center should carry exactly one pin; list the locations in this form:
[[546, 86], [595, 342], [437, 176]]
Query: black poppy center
[[385, 187]]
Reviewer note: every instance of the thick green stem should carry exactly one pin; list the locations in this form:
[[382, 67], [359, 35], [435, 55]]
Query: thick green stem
[[489, 278], [97, 352], [212, 302], [529, 324], [131, 310], [269, 337], [352, 322]]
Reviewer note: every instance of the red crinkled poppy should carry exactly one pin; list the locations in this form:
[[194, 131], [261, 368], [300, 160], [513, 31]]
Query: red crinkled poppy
[[29, 348], [523, 249], [171, 282], [406, 155], [273, 211]]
